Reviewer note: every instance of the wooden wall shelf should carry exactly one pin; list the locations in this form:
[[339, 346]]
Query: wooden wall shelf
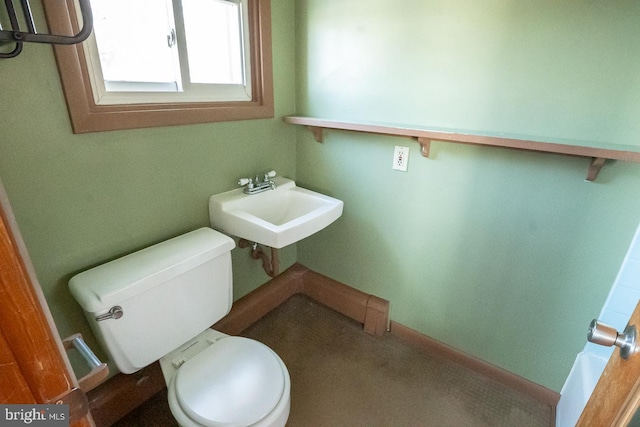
[[424, 136]]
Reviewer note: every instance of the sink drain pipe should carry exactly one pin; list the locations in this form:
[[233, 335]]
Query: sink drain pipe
[[270, 266]]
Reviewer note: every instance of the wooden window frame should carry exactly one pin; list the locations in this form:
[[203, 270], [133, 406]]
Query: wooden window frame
[[86, 116]]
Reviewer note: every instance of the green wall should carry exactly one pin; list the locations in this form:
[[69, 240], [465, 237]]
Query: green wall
[[504, 254], [81, 200]]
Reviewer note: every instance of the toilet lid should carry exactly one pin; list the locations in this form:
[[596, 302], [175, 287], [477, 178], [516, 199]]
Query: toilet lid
[[236, 381]]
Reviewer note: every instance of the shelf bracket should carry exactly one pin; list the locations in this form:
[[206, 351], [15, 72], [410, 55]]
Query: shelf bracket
[[425, 144], [317, 132], [594, 168]]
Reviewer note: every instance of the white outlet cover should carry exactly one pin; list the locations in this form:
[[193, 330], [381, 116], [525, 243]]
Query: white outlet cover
[[400, 158]]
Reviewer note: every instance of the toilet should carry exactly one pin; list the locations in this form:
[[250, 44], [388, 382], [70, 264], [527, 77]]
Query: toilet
[[158, 304]]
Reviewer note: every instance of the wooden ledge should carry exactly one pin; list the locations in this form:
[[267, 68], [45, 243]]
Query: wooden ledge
[[424, 137], [371, 311]]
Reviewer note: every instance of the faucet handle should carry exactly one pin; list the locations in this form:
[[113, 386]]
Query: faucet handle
[[269, 174], [243, 181]]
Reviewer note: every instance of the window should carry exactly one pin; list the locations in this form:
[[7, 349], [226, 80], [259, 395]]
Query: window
[[193, 61], [169, 51]]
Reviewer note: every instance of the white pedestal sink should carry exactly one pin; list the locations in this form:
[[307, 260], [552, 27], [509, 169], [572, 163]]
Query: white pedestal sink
[[274, 218]]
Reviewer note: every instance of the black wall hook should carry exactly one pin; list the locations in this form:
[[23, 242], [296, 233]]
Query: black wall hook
[[17, 36]]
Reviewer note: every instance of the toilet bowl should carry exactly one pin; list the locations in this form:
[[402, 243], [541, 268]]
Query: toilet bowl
[[223, 380], [158, 304]]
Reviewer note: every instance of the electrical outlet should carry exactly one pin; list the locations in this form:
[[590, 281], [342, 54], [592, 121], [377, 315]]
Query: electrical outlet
[[400, 158]]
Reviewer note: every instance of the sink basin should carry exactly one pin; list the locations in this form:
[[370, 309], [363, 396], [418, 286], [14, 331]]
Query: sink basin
[[274, 218]]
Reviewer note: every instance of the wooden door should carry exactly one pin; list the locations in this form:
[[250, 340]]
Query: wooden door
[[33, 366], [617, 394]]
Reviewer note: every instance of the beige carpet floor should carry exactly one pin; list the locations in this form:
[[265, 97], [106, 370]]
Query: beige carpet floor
[[341, 376]]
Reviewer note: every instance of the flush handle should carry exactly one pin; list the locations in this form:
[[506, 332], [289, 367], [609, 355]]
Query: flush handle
[[114, 312], [606, 335]]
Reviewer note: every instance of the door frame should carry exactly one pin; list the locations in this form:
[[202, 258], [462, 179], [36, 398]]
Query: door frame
[[32, 354]]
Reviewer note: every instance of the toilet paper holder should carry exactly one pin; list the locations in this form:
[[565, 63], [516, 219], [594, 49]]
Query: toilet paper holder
[[602, 334], [99, 370]]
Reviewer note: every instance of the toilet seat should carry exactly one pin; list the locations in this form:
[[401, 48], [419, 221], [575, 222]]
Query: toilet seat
[[234, 382]]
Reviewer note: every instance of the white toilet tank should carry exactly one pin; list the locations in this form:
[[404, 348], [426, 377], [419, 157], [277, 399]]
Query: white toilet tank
[[167, 294]]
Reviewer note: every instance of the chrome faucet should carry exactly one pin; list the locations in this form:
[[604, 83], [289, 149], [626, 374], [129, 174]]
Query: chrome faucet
[[254, 185]]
